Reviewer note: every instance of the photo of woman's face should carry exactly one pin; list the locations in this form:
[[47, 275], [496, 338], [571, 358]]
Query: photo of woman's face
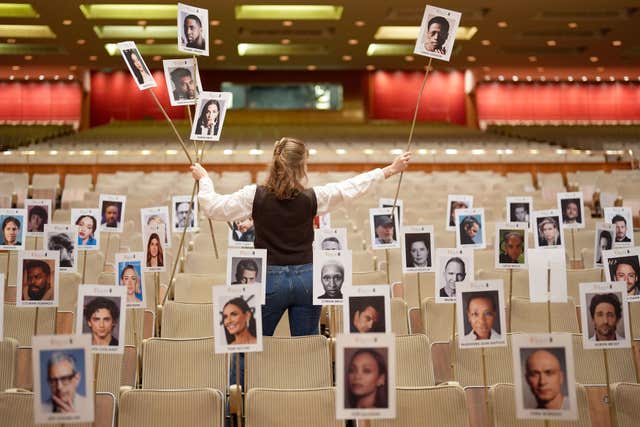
[[234, 320], [129, 279], [136, 62], [212, 114], [364, 376], [419, 252], [85, 227], [154, 245]]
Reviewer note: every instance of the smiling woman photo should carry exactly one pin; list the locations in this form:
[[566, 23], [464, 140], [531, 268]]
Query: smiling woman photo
[[238, 322]]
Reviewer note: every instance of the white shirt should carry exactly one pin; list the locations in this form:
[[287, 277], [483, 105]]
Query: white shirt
[[471, 336], [618, 338], [239, 205]]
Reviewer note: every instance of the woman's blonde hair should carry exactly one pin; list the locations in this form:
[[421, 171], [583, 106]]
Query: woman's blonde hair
[[287, 171]]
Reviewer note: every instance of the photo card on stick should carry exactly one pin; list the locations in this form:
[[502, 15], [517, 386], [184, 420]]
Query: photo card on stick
[[437, 33], [511, 245], [384, 228], [62, 367], [193, 29], [374, 354], [237, 318], [418, 248], [547, 228], [330, 239], [88, 223], [453, 267], [480, 312], [605, 314], [242, 233], [136, 65], [209, 115], [540, 261], [603, 241], [158, 215], [622, 220], [183, 82], [13, 229], [38, 279], [623, 265], [544, 376], [388, 203], [101, 313], [470, 228], [181, 216], [153, 238], [64, 239], [129, 275], [519, 210], [571, 206], [38, 215], [331, 276], [454, 202], [247, 267], [112, 213], [367, 309]]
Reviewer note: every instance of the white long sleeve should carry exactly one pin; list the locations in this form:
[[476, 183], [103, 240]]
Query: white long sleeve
[[330, 195], [225, 207]]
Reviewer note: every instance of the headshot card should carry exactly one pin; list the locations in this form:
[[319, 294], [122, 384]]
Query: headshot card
[[136, 65], [193, 29], [242, 233], [112, 213], [604, 312], [38, 278], [13, 229], [571, 206], [2, 306], [183, 82], [247, 267], [547, 229], [158, 215], [470, 229], [88, 229], [540, 261], [64, 239], [622, 220], [331, 276], [38, 215], [388, 203], [62, 379], [384, 229], [623, 265], [330, 239], [453, 267], [153, 237], [519, 209], [367, 309], [454, 202], [544, 376], [237, 318], [209, 117], [371, 356], [480, 312], [418, 245], [603, 241], [181, 217], [437, 33], [101, 313], [129, 276], [322, 221], [511, 245]]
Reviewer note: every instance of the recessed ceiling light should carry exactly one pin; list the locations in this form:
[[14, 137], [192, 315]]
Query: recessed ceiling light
[[626, 78], [551, 43], [11, 41], [503, 24], [285, 41], [27, 77], [252, 68], [70, 77], [584, 78], [353, 42], [227, 152], [287, 23], [149, 41], [157, 57], [471, 58], [11, 77], [487, 78], [529, 78], [451, 151], [220, 58], [533, 58], [15, 67], [359, 23], [501, 78], [145, 152], [543, 78], [256, 152], [346, 57], [311, 67], [142, 22], [409, 58], [540, 69], [73, 67], [570, 78], [369, 151], [56, 77], [81, 41], [341, 151], [28, 58], [370, 67], [612, 79], [93, 58], [214, 23], [40, 77], [217, 42], [313, 151], [594, 59], [422, 151], [572, 25], [616, 43], [515, 78], [486, 42], [598, 78], [67, 22], [486, 69], [284, 58]]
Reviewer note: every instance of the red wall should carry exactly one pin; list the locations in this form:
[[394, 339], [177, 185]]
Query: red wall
[[562, 101], [40, 101], [394, 94]]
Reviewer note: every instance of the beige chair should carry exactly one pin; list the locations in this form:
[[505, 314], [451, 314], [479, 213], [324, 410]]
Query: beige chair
[[12, 275], [575, 277], [589, 364], [437, 320], [503, 406], [442, 406], [529, 316], [299, 407], [196, 288], [467, 364], [8, 348], [181, 320], [68, 295], [19, 322], [205, 263], [94, 265], [410, 288], [169, 408], [289, 363], [626, 401], [369, 278], [634, 316], [399, 316], [169, 363], [414, 366]]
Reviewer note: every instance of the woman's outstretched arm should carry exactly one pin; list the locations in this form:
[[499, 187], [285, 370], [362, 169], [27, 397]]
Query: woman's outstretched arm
[[222, 207]]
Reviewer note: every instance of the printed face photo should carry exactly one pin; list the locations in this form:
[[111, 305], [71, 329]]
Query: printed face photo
[[622, 221], [512, 246], [365, 374], [332, 278], [571, 211], [452, 209], [470, 228], [63, 381], [87, 229], [384, 229], [38, 279], [454, 270], [157, 216], [482, 320], [366, 314], [243, 230], [38, 216], [111, 214], [130, 277], [626, 269], [246, 271], [603, 242], [154, 251], [330, 239], [519, 212], [193, 24], [12, 221], [209, 119], [239, 322], [182, 83], [137, 67], [437, 33], [418, 249], [548, 231], [101, 319], [181, 210], [605, 315], [544, 373], [237, 318], [64, 243]]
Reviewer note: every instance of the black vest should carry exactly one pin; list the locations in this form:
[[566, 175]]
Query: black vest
[[284, 227]]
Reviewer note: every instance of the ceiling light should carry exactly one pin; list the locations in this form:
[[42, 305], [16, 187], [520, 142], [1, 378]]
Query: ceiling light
[[292, 11], [311, 67], [171, 152], [508, 151], [572, 25], [503, 24], [451, 151], [600, 69], [486, 42], [287, 23], [368, 151], [478, 152], [7, 153], [515, 78], [598, 78], [285, 41], [353, 42], [612, 79], [501, 78], [487, 77], [389, 49], [341, 151], [396, 151], [11, 41], [28, 58], [533, 58], [142, 22], [422, 151], [27, 31], [561, 151], [130, 11], [67, 22], [284, 58], [540, 69], [616, 43], [534, 151], [252, 68], [70, 77], [359, 23], [11, 77], [570, 78], [81, 41], [471, 58], [220, 58], [86, 152], [156, 57], [15, 67], [29, 153], [93, 58], [256, 152], [214, 23], [486, 69], [227, 152], [111, 152], [40, 77], [313, 151], [53, 152], [543, 79], [551, 43], [626, 78], [17, 10], [370, 67], [218, 42], [145, 152], [529, 78], [409, 58], [594, 59], [149, 41], [27, 77], [346, 57]]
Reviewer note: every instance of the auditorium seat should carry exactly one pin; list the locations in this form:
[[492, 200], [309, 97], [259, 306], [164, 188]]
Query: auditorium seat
[[196, 288], [437, 320], [8, 348], [205, 263], [68, 296], [467, 364], [19, 322], [313, 407], [198, 407], [399, 316], [575, 277], [414, 367], [12, 276], [590, 368], [369, 278], [626, 401], [92, 267], [531, 317], [182, 320]]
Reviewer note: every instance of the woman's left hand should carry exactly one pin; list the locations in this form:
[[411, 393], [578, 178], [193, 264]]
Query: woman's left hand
[[198, 172]]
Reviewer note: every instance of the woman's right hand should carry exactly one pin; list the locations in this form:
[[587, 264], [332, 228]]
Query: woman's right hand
[[198, 172], [399, 164]]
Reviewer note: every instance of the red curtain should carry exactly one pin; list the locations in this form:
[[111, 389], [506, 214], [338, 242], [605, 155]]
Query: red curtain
[[40, 101]]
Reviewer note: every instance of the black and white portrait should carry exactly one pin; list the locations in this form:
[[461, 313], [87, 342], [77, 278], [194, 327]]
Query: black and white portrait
[[331, 274], [63, 238], [453, 266], [417, 248]]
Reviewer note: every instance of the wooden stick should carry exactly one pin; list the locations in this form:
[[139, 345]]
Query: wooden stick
[[633, 355], [612, 415], [84, 266], [573, 247], [135, 343], [35, 323], [549, 297], [156, 284], [510, 293], [386, 254], [238, 382], [213, 238], [96, 365], [166, 116], [453, 344], [420, 303], [35, 244], [106, 252], [484, 383], [195, 146], [6, 276]]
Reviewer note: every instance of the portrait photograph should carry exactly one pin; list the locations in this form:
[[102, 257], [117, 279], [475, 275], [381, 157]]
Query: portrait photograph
[[384, 229], [603, 241], [367, 309], [112, 213], [437, 33], [247, 267], [193, 29], [330, 239], [129, 276], [38, 279], [388, 203], [571, 207], [62, 367], [242, 233], [209, 115], [181, 217], [547, 228], [540, 261], [622, 220], [605, 314], [153, 237], [365, 376], [13, 229], [88, 228], [623, 265], [158, 215], [544, 376], [64, 239], [470, 228], [183, 83], [454, 202], [101, 313], [136, 65], [38, 215], [331, 276], [519, 209], [480, 312], [418, 247], [453, 267], [511, 245], [237, 319]]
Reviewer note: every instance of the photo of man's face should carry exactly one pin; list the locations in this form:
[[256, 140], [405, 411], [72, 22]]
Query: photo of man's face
[[520, 213], [384, 229], [112, 214], [330, 244], [102, 315], [247, 271], [37, 280], [545, 379], [182, 210], [437, 34], [63, 380]]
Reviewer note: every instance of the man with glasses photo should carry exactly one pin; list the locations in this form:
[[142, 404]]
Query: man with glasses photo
[[63, 379]]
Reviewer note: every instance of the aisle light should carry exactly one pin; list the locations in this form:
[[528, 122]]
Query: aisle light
[[227, 152], [534, 151], [422, 151], [145, 152], [451, 151], [478, 152], [341, 151], [7, 153], [171, 152], [508, 151], [53, 152], [255, 152], [561, 151], [86, 152], [368, 151], [313, 151], [111, 152], [396, 151]]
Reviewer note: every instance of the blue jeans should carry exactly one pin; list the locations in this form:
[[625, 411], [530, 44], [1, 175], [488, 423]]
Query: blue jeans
[[288, 287]]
